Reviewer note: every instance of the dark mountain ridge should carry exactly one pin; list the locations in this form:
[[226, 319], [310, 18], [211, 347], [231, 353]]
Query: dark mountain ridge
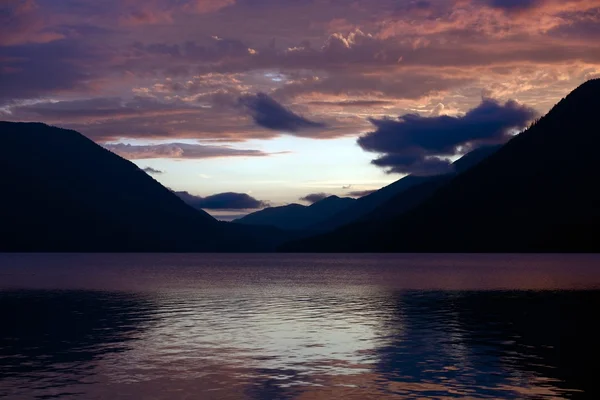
[[63, 192], [420, 191], [297, 216], [536, 194], [409, 190]]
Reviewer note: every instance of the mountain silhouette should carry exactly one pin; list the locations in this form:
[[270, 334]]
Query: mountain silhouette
[[401, 195], [415, 195], [536, 194], [63, 192], [297, 216]]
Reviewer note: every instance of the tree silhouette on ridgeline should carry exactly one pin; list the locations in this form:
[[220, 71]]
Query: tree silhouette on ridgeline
[[536, 194], [63, 192]]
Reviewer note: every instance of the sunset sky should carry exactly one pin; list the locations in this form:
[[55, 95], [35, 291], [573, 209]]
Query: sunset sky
[[270, 97]]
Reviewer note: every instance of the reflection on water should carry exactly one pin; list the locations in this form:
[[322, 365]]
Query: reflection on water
[[298, 327]]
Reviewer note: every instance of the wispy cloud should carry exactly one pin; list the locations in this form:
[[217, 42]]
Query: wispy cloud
[[179, 150]]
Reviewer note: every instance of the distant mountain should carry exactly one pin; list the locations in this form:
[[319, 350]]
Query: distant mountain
[[401, 195], [538, 193], [285, 217], [297, 216], [63, 192]]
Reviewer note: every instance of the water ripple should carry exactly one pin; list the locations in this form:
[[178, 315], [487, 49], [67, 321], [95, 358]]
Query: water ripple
[[276, 338]]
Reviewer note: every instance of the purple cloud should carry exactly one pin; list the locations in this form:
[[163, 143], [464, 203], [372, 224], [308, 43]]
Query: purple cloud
[[268, 113], [361, 193], [191, 60], [412, 143], [513, 5], [314, 197], [222, 201]]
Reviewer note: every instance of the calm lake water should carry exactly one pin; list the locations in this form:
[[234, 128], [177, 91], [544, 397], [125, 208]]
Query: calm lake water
[[299, 326]]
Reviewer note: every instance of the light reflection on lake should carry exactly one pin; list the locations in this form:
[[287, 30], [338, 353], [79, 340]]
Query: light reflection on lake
[[298, 326]]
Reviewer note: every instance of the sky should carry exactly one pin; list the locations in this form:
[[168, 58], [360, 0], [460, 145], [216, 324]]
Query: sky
[[241, 104]]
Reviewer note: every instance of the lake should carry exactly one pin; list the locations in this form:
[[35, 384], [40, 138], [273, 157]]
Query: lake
[[208, 326]]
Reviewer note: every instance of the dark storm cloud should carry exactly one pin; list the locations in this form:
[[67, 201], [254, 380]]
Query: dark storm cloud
[[314, 197], [222, 201], [490, 120], [152, 171], [361, 193], [413, 164], [269, 114], [410, 143]]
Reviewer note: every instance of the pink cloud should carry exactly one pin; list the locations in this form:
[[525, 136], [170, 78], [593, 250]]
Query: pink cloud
[[207, 6], [22, 21], [153, 12], [175, 69], [180, 151]]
